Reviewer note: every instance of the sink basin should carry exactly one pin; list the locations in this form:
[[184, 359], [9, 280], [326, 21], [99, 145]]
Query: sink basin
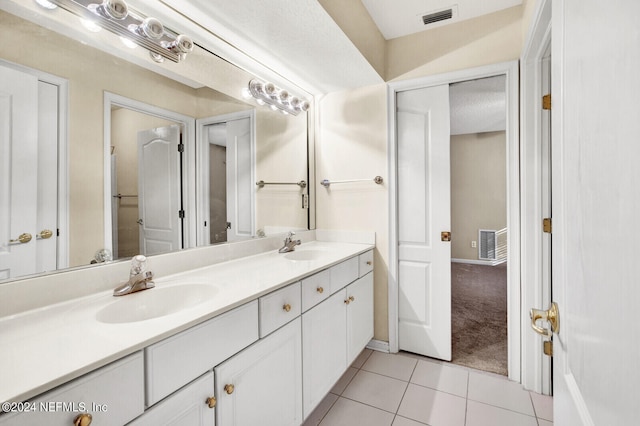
[[155, 302], [305, 255]]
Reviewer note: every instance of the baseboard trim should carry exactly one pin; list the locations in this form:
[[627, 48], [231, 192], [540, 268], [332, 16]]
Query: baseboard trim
[[473, 262], [378, 345]]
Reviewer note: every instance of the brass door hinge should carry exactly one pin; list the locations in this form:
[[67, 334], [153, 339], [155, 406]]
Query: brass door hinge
[[546, 225], [547, 347], [546, 101]]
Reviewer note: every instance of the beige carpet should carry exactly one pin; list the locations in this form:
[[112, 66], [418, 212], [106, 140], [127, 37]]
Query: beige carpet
[[479, 316]]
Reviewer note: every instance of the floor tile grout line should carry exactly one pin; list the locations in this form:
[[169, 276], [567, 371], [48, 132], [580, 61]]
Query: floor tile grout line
[[502, 408]]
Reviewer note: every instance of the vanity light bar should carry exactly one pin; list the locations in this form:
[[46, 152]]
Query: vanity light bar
[[266, 93], [117, 17]]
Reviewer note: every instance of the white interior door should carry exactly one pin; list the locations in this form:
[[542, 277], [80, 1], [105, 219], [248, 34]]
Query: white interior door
[[596, 199], [424, 212], [18, 171], [239, 184], [159, 191], [47, 174]]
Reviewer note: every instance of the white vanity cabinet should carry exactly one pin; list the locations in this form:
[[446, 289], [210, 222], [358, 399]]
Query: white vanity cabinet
[[269, 361], [262, 385], [335, 331], [112, 395]]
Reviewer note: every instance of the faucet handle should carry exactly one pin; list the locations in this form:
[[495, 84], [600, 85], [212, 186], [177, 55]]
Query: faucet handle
[[291, 234], [138, 264]]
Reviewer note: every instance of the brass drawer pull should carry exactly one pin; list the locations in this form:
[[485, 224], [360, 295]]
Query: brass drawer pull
[[369, 262], [347, 301], [351, 298], [229, 389], [320, 290], [287, 307]]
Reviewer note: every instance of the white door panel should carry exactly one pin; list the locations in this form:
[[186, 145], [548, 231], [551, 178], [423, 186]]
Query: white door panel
[[595, 91], [159, 190], [424, 271], [18, 171], [239, 184], [47, 203]]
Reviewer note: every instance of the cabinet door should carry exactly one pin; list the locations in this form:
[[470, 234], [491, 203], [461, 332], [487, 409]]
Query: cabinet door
[[359, 316], [262, 385], [324, 341], [190, 406]]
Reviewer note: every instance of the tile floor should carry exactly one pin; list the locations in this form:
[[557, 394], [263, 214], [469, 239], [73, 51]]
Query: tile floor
[[407, 390]]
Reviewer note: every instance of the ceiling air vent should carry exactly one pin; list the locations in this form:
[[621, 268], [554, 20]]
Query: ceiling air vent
[[434, 17]]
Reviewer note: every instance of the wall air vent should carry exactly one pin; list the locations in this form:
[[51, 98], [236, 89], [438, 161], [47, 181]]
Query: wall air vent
[[441, 15]]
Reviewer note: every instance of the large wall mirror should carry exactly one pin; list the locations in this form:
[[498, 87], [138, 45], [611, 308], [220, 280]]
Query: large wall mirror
[[126, 156]]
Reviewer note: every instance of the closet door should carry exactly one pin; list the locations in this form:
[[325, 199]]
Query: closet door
[[424, 222]]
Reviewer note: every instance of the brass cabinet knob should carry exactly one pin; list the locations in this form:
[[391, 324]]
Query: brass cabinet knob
[[369, 262], [83, 419], [211, 401], [351, 298], [287, 307], [320, 290], [229, 389], [347, 301]]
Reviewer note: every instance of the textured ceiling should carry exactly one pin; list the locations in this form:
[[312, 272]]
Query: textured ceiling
[[296, 38], [402, 17], [478, 106]]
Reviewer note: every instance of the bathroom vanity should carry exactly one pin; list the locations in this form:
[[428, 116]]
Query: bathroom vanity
[[259, 339]]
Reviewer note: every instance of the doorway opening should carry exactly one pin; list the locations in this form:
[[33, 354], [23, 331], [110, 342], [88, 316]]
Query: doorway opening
[[146, 183], [417, 107], [479, 224]]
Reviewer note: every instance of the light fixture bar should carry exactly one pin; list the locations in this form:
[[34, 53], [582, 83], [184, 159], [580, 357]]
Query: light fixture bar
[[278, 99], [157, 39]]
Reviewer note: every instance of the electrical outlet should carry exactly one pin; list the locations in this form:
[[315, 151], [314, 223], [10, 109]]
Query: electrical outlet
[[474, 244]]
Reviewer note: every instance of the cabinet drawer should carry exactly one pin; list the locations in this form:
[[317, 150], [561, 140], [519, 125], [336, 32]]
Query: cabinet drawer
[[113, 395], [174, 362], [279, 307], [188, 406], [344, 273], [315, 289], [365, 261]]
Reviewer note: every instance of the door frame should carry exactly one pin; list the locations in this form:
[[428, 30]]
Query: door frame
[[510, 70], [536, 369], [202, 184], [62, 251], [188, 162]]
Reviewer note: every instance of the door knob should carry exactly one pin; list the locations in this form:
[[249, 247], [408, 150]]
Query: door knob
[[551, 315], [44, 234], [22, 239]]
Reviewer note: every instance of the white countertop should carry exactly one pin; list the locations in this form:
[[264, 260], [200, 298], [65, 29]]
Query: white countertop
[[46, 347]]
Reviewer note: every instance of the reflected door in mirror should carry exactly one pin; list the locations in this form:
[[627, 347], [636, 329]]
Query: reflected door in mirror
[[28, 174]]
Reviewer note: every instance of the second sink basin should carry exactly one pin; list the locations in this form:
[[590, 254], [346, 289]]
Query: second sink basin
[[155, 302], [310, 254]]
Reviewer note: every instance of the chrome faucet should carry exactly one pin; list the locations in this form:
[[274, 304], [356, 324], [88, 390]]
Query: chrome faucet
[[289, 244], [139, 278]]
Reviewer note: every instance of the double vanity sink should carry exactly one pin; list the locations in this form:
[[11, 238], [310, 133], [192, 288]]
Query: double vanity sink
[[170, 299], [50, 346]]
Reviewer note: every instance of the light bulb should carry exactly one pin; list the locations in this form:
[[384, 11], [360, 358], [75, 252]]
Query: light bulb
[[246, 93], [46, 4]]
